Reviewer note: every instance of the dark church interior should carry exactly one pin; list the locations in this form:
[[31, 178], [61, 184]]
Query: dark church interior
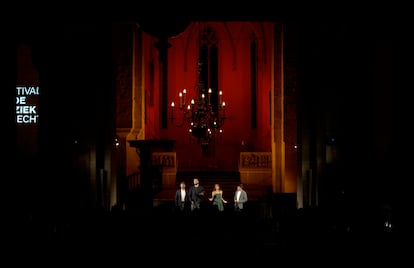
[[318, 105]]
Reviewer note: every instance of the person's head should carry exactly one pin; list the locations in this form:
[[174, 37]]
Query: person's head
[[182, 185], [195, 181], [240, 187], [216, 186]]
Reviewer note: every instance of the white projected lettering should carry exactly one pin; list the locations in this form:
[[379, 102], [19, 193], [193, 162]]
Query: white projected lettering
[[26, 108]]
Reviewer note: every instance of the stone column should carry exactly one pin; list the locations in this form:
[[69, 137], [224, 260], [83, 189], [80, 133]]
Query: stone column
[[278, 146]]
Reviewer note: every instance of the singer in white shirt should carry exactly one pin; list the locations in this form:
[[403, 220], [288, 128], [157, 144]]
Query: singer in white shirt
[[182, 198], [240, 197]]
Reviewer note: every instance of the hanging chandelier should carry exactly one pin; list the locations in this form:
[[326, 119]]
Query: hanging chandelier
[[204, 114]]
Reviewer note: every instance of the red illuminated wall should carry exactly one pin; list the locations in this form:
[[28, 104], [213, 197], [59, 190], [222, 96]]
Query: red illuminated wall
[[234, 78]]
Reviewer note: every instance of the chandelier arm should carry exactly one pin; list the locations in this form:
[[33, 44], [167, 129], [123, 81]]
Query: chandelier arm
[[183, 120]]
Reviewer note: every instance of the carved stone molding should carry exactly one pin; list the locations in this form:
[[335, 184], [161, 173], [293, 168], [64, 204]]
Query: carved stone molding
[[255, 160]]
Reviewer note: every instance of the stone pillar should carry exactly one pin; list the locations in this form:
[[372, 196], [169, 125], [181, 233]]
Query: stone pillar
[[148, 171], [278, 146]]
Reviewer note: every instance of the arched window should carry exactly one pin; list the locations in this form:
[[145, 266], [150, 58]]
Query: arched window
[[253, 81], [208, 52]]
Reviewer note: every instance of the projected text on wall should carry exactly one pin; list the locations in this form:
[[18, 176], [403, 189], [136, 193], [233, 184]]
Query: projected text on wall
[[26, 104]]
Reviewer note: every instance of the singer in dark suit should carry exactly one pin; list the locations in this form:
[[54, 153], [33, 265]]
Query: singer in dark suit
[[196, 194], [182, 198]]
